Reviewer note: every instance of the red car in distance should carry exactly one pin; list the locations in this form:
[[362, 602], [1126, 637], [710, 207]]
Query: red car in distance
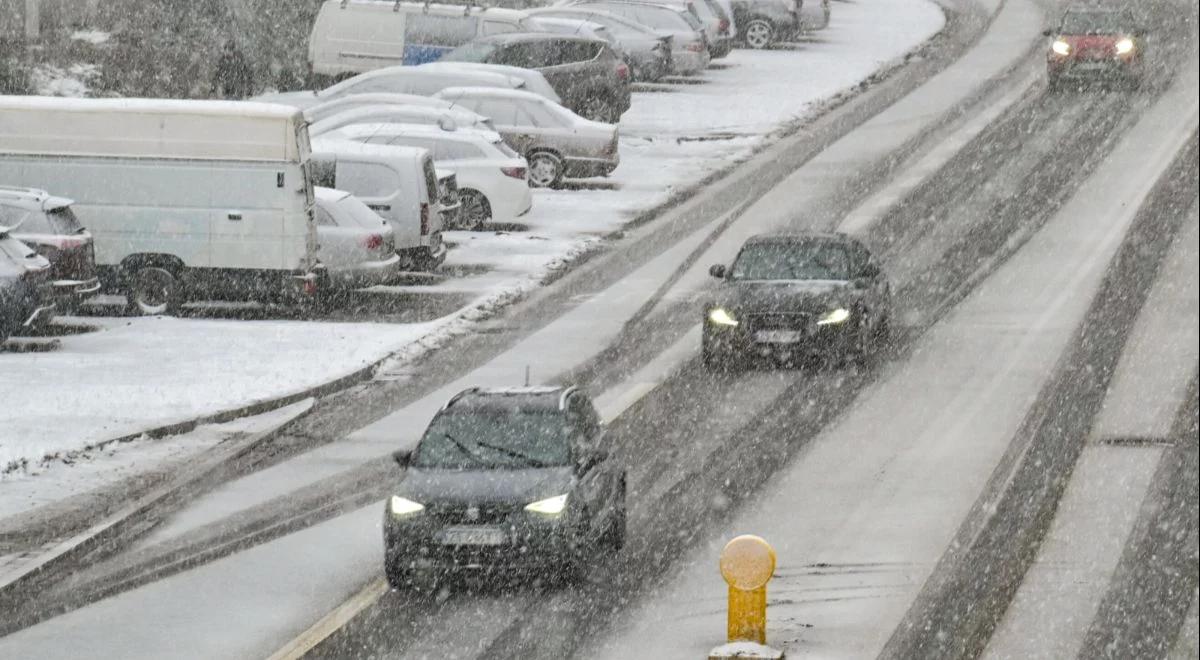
[[1095, 45]]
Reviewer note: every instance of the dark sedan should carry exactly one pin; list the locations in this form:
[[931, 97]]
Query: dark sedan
[[587, 74], [505, 480], [795, 296]]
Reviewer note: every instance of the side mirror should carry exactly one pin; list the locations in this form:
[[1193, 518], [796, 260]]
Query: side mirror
[[401, 457], [717, 271], [1048, 32]]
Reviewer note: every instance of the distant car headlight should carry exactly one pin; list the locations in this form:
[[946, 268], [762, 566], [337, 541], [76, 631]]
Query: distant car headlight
[[1125, 46], [834, 316], [1061, 47], [404, 507], [551, 506], [722, 317]]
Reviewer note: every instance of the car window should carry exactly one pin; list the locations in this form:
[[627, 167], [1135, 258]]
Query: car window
[[425, 29], [31, 223], [801, 260], [502, 112], [499, 27], [430, 173], [367, 178], [499, 439], [474, 52], [536, 114], [324, 217]]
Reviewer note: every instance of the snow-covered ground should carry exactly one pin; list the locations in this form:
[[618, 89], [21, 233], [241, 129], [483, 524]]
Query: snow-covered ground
[[135, 374]]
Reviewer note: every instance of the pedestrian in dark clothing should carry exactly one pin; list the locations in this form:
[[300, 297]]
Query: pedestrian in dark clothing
[[233, 77]]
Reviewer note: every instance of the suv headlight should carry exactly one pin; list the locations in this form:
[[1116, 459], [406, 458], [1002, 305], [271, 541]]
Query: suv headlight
[[1125, 46], [1061, 47], [401, 506], [834, 316], [551, 506], [721, 317]]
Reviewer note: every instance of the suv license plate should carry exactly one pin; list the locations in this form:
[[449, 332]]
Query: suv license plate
[[474, 536], [778, 336]]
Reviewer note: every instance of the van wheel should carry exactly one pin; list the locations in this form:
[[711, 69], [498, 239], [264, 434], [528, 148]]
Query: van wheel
[[545, 170], [154, 290], [760, 33], [475, 212]]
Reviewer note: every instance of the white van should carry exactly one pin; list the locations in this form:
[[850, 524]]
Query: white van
[[398, 183], [183, 198], [353, 36]]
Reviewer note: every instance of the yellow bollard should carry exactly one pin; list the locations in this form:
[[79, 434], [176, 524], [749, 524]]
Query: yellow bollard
[[747, 564]]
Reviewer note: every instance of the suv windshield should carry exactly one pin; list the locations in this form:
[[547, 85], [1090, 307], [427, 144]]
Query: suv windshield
[[809, 260], [1096, 22], [511, 439]]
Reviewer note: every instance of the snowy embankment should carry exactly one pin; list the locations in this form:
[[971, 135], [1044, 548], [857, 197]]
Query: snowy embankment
[[136, 374]]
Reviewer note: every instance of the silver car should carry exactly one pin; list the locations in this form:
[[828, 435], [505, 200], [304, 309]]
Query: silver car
[[356, 245], [689, 54], [557, 142], [648, 52]]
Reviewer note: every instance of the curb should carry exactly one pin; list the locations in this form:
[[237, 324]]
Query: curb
[[118, 530]]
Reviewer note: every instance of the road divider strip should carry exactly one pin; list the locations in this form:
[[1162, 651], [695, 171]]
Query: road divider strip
[[332, 622]]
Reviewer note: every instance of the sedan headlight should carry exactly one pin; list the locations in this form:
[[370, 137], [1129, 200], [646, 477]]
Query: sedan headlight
[[401, 506], [1125, 46], [551, 506], [1061, 47], [721, 317], [834, 316]]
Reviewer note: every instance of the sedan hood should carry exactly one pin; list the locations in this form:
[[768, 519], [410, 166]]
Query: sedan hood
[[484, 486], [785, 295]]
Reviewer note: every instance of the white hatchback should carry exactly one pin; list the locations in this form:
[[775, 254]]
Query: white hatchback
[[492, 178]]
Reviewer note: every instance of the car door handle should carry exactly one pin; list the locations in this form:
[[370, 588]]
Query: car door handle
[[380, 207], [234, 215]]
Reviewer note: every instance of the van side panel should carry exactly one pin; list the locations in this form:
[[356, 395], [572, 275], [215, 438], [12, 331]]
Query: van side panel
[[356, 39], [159, 206]]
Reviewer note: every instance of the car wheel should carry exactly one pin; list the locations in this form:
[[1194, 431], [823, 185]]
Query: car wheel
[[476, 211], [545, 170], [760, 33], [154, 290]]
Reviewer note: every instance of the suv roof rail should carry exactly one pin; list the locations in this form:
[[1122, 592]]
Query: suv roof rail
[[567, 392]]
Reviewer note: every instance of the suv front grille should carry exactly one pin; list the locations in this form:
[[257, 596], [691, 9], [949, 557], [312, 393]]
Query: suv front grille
[[460, 514], [778, 321]]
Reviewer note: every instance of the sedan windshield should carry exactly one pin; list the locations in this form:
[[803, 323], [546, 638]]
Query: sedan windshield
[[511, 439], [792, 261], [1096, 22], [472, 52]]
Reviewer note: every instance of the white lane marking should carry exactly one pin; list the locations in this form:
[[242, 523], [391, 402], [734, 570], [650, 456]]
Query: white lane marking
[[921, 168], [330, 623]]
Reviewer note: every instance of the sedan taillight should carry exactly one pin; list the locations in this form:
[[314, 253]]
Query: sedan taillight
[[696, 47], [373, 242], [622, 71], [514, 172], [723, 26]]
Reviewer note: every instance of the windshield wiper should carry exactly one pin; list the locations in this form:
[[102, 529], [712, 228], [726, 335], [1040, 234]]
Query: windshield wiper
[[462, 447], [529, 460]]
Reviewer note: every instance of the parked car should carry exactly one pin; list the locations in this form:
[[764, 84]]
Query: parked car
[[356, 245], [572, 26], [355, 37], [492, 178], [556, 142], [534, 81], [796, 296], [711, 16], [689, 54], [400, 184], [216, 205], [1092, 44], [505, 480], [647, 52], [25, 286], [814, 15], [49, 226], [588, 75], [763, 23], [417, 80], [446, 119], [320, 111]]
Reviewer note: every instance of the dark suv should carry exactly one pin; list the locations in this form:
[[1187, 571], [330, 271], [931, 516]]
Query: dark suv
[[505, 480], [48, 225], [790, 296], [589, 77]]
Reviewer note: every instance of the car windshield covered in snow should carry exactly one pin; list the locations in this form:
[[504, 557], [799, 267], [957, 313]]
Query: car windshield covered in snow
[[471, 52], [487, 439], [792, 260]]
